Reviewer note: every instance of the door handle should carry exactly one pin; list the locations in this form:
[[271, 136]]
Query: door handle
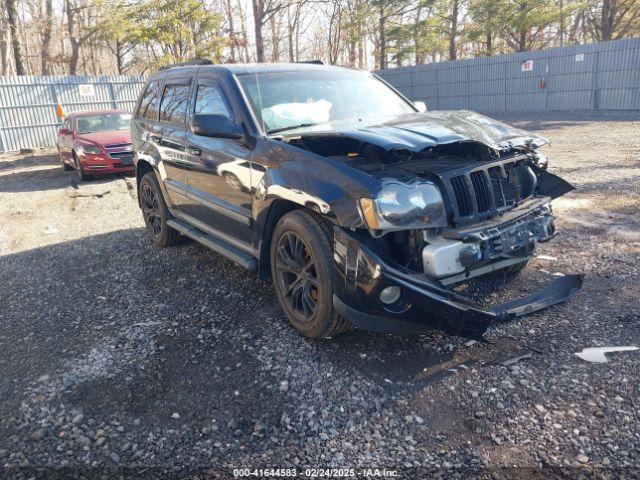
[[155, 138], [191, 150]]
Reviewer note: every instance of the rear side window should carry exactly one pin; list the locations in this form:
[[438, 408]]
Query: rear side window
[[209, 101], [173, 108], [149, 104]]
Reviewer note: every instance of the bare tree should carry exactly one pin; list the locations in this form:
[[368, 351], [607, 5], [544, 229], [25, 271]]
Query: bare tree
[[12, 19], [263, 11], [45, 50], [4, 46], [74, 37], [453, 30]]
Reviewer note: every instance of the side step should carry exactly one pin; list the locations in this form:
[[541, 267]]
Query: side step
[[217, 245]]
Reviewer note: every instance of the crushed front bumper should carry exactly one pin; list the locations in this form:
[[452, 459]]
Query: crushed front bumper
[[360, 276]]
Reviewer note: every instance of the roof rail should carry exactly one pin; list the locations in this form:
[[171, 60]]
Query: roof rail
[[312, 62], [196, 61]]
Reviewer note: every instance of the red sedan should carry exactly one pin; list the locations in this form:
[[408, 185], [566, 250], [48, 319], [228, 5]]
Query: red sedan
[[96, 142]]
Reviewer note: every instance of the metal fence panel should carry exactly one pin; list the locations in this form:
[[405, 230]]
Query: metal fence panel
[[28, 104], [597, 76]]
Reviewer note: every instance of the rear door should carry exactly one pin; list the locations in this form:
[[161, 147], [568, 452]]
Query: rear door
[[168, 135], [218, 169]]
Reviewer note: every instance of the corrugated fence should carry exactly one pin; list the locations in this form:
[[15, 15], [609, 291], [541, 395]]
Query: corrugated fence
[[28, 104], [599, 76]]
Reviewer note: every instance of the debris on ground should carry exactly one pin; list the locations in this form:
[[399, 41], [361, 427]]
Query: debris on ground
[[516, 359], [597, 354]]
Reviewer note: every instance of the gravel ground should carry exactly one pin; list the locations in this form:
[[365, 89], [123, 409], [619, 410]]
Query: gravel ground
[[116, 357]]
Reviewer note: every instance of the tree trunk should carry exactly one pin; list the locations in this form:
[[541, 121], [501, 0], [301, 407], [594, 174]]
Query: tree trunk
[[73, 39], [417, 53], [383, 40], [522, 39], [232, 32], [275, 39], [489, 37], [291, 27], [258, 14], [12, 18], [606, 22], [45, 51], [243, 26], [454, 30], [4, 48]]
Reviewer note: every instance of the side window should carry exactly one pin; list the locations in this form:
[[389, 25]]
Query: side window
[[149, 104], [173, 108], [210, 101]]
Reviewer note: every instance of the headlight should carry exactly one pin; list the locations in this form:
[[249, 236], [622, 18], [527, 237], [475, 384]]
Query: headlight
[[400, 206], [89, 148]]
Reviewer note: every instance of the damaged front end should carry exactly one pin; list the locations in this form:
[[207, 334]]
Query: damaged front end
[[363, 278], [458, 195]]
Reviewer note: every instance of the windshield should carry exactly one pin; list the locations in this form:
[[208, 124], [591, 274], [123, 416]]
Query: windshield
[[103, 122], [288, 100]]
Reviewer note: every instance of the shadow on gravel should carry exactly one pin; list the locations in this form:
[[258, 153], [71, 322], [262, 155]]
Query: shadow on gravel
[[191, 340], [29, 161], [37, 180]]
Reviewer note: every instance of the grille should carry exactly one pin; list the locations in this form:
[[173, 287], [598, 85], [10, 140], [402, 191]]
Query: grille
[[485, 191], [128, 155], [117, 145]]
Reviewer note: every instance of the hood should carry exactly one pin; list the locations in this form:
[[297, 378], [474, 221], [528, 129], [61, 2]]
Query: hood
[[105, 138], [422, 130]]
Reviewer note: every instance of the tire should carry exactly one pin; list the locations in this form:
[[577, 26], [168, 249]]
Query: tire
[[65, 166], [156, 213], [302, 271], [82, 175]]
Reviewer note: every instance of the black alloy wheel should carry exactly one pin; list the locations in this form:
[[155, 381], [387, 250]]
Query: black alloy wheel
[[297, 276], [301, 257], [151, 210]]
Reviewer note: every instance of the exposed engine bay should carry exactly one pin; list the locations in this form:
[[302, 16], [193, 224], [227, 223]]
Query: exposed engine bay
[[495, 200]]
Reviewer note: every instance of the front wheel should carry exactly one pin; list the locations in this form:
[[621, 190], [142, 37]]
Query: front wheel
[[301, 265], [82, 175], [65, 166]]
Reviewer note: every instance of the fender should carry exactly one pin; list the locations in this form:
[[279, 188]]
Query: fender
[[158, 169], [321, 184]]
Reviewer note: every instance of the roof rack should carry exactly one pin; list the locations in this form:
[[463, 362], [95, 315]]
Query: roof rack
[[312, 62], [196, 61]]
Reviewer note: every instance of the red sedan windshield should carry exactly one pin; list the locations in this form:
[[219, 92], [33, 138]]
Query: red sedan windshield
[[103, 122]]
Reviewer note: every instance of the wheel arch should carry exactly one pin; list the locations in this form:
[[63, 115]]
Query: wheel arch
[[267, 221], [142, 168]]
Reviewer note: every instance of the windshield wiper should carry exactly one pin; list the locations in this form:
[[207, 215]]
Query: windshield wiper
[[291, 127]]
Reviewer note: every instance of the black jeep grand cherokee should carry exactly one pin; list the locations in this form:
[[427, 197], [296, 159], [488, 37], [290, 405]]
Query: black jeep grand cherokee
[[363, 207]]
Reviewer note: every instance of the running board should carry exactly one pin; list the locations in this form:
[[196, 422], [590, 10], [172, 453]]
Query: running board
[[216, 244]]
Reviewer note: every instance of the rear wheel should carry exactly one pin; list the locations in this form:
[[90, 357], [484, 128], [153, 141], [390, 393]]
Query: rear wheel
[[82, 175], [301, 264], [156, 213]]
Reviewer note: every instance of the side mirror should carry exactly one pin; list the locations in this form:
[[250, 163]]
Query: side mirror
[[64, 131], [216, 126], [420, 106]]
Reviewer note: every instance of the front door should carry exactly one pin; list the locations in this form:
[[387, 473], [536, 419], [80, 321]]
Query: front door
[[218, 170]]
